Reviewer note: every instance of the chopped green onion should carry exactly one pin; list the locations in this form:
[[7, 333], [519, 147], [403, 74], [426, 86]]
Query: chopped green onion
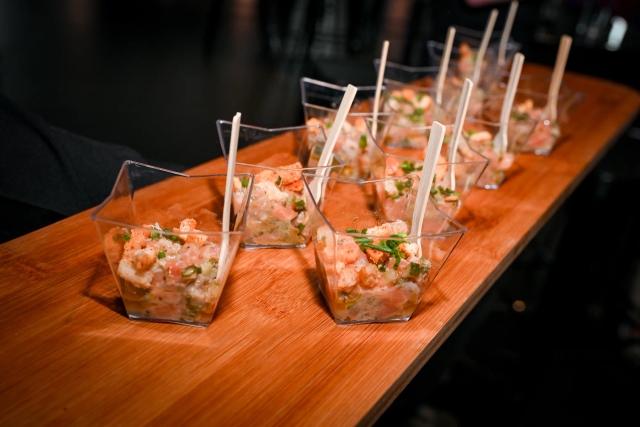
[[519, 116], [244, 181], [362, 143], [126, 237], [415, 118], [378, 247], [279, 181], [161, 254], [191, 270], [414, 269], [173, 237], [448, 191], [300, 228], [361, 240], [400, 235], [407, 166]]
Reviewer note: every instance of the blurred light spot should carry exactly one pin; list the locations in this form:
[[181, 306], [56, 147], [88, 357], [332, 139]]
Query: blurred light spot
[[519, 306], [616, 35]]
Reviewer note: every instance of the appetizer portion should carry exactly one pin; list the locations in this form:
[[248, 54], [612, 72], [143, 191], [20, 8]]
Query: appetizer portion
[[499, 160], [320, 104], [372, 264], [166, 274], [544, 134], [353, 146], [277, 211], [440, 193], [452, 182], [167, 241], [376, 274], [413, 106], [479, 137]]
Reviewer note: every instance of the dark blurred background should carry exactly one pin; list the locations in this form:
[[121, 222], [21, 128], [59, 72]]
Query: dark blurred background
[[156, 74], [555, 341]]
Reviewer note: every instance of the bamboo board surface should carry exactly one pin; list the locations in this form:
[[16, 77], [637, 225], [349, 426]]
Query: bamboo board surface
[[273, 356]]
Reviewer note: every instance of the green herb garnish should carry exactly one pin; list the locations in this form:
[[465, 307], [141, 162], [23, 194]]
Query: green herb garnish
[[161, 254], [448, 191], [244, 181], [191, 270], [414, 269], [407, 166], [278, 181], [516, 115], [388, 246], [169, 235], [362, 143]]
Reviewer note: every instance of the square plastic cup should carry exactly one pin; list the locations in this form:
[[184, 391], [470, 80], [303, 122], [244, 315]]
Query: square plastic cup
[[531, 98], [328, 95], [320, 103], [370, 267], [392, 134], [411, 93], [452, 182], [484, 114], [277, 216], [478, 136], [161, 232], [466, 43]]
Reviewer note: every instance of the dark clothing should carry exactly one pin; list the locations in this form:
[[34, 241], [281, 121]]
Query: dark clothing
[[49, 173]]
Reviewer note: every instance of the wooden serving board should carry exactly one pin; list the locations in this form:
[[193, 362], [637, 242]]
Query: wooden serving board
[[273, 356]]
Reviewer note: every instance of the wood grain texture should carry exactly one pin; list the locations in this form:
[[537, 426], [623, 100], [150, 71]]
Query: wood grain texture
[[272, 356]]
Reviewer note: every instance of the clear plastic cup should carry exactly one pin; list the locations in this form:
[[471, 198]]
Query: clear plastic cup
[[161, 232], [371, 268], [411, 93], [277, 216], [320, 103], [479, 136], [531, 100], [452, 182], [466, 43]]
